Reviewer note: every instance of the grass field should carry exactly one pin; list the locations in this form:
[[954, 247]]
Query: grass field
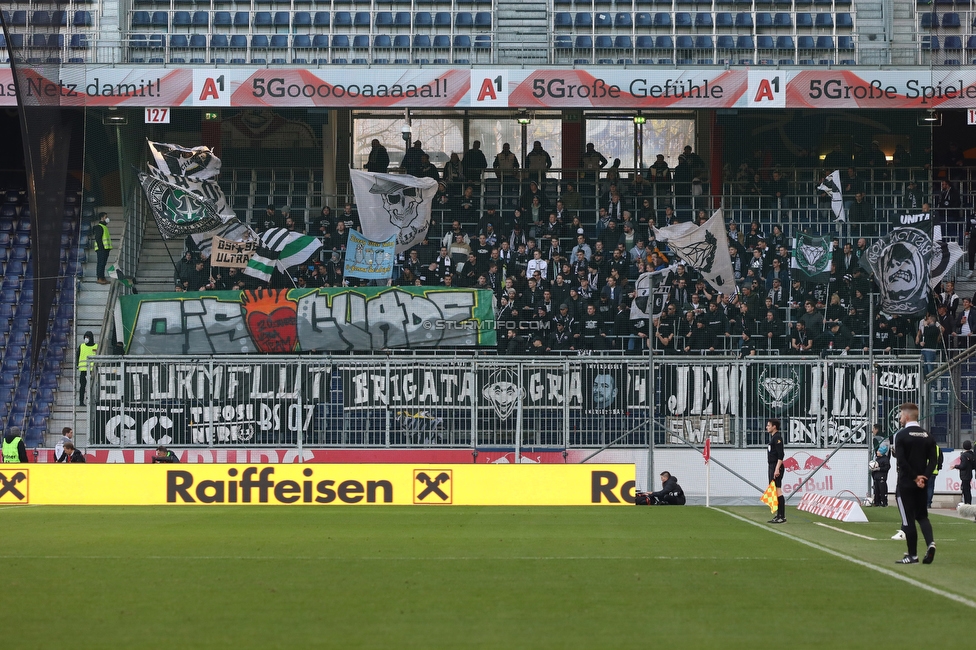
[[403, 577]]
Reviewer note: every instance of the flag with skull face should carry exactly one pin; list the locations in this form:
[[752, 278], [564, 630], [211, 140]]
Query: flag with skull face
[[393, 205], [900, 263]]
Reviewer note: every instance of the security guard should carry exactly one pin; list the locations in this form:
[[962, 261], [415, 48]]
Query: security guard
[[103, 244], [938, 465], [14, 449], [85, 350]]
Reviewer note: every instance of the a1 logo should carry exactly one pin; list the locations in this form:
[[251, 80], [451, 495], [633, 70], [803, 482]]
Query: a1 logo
[[489, 88], [210, 89], [766, 90]]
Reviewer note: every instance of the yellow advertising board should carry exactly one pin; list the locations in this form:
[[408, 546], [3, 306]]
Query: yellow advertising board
[[317, 484]]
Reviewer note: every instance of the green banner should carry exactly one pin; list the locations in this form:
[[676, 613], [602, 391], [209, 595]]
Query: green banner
[[306, 320]]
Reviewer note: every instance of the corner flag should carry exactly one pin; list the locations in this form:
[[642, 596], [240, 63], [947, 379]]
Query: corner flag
[[708, 450], [769, 497]]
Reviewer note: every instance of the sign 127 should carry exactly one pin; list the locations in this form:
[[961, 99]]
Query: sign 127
[[157, 115]]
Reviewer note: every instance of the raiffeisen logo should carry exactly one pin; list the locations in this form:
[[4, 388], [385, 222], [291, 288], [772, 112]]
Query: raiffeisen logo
[[256, 486]]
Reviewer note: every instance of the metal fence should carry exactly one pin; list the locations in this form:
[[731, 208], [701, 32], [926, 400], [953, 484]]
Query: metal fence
[[491, 402]]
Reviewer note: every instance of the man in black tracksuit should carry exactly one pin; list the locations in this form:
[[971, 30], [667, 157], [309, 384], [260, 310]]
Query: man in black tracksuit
[[670, 493], [916, 455], [775, 454]]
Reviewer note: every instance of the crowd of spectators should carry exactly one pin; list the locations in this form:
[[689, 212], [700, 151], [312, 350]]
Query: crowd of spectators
[[563, 269]]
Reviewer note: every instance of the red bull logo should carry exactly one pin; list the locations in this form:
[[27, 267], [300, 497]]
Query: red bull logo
[[802, 464]]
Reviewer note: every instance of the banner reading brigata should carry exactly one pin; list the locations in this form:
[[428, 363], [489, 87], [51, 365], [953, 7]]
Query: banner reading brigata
[[391, 87], [318, 485], [302, 320]]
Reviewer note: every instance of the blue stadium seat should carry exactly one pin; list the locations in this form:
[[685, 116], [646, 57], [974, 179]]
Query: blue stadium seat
[[562, 19], [340, 40], [421, 41], [361, 19], [79, 41], [384, 19], [847, 43], [704, 43], [259, 42], [930, 43], [602, 20], [140, 19], [950, 20], [201, 19], [282, 19], [971, 43], [743, 20], [744, 43], [805, 42], [764, 19], [222, 19], [482, 19], [583, 19], [928, 19], [219, 42], [703, 19], [463, 19], [179, 41], [301, 42], [724, 19], [684, 42], [784, 43], [482, 42], [242, 19], [321, 41], [382, 42], [662, 19], [951, 43], [725, 42], [622, 19], [765, 42], [782, 20], [263, 19], [582, 42], [321, 19], [181, 19], [463, 41], [82, 19], [682, 19], [823, 20], [360, 62], [443, 41], [663, 43], [423, 19], [160, 19], [360, 42], [623, 42], [40, 19], [342, 19], [804, 20], [603, 42], [844, 21], [19, 19], [825, 43], [301, 19], [155, 41], [238, 42], [643, 19], [442, 19], [280, 41]]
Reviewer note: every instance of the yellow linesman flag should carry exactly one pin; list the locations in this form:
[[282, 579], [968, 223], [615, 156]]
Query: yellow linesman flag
[[769, 497]]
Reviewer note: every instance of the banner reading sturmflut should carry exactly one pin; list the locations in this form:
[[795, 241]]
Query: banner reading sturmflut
[[900, 262], [393, 205], [302, 320], [368, 259], [705, 248]]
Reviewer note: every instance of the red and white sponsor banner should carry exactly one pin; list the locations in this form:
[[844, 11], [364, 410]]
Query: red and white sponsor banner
[[632, 88], [832, 508]]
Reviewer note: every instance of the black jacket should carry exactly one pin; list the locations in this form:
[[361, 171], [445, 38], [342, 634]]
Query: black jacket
[[672, 489]]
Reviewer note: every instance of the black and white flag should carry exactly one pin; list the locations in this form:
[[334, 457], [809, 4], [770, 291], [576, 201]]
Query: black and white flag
[[393, 205], [832, 187], [900, 263], [945, 254], [646, 304], [704, 248], [196, 162], [280, 249]]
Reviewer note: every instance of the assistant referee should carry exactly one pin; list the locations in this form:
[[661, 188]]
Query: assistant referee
[[916, 455], [775, 454]]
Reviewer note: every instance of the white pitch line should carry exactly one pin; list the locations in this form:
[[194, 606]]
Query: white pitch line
[[847, 532], [388, 559], [888, 572], [18, 507]]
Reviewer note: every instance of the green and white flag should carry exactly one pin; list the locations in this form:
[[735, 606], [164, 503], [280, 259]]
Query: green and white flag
[[114, 272], [279, 249], [811, 258]]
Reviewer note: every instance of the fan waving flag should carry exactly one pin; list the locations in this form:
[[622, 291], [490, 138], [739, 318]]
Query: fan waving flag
[[945, 254], [279, 249], [901, 262], [831, 186], [393, 205], [769, 497], [811, 258], [704, 248]]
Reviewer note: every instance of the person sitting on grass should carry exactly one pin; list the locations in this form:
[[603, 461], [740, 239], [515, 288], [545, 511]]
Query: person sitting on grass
[[670, 493]]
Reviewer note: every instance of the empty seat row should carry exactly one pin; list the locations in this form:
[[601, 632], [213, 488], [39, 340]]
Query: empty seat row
[[942, 2], [287, 4], [47, 18], [308, 41], [930, 20], [663, 4], [586, 20], [286, 19], [951, 43], [726, 42]]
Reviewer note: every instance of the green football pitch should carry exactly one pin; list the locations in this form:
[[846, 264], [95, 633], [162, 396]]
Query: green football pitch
[[409, 577]]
